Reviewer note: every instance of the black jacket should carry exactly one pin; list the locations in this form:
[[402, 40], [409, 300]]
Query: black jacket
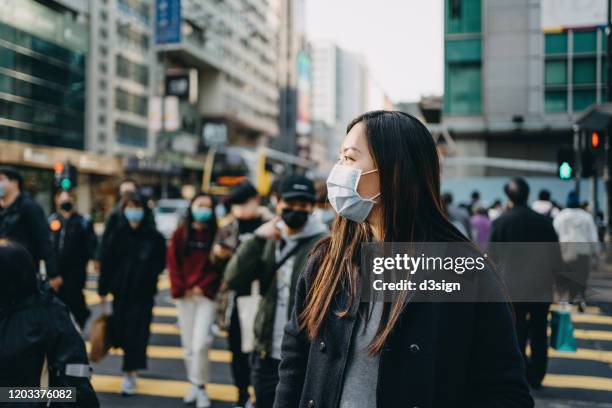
[[522, 224], [74, 243], [25, 222], [132, 262], [439, 355], [521, 234], [39, 326]]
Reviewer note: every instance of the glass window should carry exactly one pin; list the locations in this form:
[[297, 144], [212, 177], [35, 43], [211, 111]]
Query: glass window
[[585, 41], [131, 70], [584, 98], [555, 43], [463, 50], [555, 73], [463, 89], [131, 135], [131, 103], [463, 16], [585, 71], [555, 101]]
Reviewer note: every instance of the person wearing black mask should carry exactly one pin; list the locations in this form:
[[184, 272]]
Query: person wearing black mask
[[74, 243], [35, 326], [275, 256]]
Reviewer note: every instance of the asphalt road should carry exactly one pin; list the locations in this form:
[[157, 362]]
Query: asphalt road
[[574, 380]]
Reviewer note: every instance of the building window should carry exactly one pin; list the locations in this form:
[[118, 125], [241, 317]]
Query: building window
[[102, 137], [576, 52], [130, 135], [101, 119], [102, 67], [555, 72], [131, 70], [129, 102], [463, 16], [463, 94]]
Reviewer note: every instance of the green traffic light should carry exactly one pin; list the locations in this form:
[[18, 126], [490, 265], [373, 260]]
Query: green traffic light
[[65, 184], [565, 171]]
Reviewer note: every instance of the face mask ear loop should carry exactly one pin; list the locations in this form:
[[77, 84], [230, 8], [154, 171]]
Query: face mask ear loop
[[361, 173], [374, 197]]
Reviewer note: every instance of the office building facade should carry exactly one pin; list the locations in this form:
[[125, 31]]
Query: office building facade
[[514, 84]]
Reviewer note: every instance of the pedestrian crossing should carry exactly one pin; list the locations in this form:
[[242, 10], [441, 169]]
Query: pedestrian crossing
[[588, 370]]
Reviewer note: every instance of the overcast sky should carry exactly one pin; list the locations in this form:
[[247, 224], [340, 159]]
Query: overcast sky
[[402, 40]]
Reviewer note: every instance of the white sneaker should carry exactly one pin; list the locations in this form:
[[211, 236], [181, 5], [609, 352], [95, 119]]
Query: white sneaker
[[128, 385], [202, 400], [191, 395]]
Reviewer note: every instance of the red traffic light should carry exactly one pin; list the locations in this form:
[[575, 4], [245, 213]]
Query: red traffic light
[[595, 140]]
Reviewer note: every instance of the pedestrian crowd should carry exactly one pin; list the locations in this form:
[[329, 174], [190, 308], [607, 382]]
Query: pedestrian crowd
[[280, 275]]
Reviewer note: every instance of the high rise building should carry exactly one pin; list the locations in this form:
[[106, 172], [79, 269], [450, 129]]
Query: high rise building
[[121, 70], [43, 58], [340, 88], [518, 73], [292, 52], [233, 46]]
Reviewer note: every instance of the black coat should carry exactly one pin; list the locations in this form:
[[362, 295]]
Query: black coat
[[25, 222], [36, 327], [131, 262], [439, 355], [522, 224], [521, 234], [74, 243]]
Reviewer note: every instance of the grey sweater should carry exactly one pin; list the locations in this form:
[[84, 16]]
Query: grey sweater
[[361, 376]]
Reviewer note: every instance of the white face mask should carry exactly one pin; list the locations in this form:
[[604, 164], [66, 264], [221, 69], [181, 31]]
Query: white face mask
[[343, 196]]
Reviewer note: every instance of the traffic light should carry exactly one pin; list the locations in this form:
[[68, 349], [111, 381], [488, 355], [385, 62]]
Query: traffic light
[[65, 175], [591, 155], [566, 163]]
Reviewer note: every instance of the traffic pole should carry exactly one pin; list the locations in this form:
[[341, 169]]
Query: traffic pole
[[607, 141]]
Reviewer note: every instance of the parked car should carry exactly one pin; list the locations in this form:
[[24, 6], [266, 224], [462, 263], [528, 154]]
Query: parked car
[[168, 213]]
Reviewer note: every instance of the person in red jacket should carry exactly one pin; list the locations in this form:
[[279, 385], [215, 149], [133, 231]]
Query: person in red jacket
[[194, 283]]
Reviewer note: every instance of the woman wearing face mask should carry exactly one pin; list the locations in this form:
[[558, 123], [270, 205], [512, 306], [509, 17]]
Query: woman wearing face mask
[[337, 352], [131, 263], [195, 282]]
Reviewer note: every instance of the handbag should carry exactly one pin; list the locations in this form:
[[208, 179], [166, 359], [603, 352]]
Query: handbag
[[99, 338], [562, 330], [247, 310], [248, 306]]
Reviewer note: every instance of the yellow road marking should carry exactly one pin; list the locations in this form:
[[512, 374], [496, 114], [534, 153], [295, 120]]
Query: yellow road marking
[[176, 353], [163, 388], [590, 334], [165, 328], [166, 311], [224, 392], [578, 382], [592, 319], [588, 309], [583, 354]]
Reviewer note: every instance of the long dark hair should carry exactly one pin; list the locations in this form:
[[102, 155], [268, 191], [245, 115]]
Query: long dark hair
[[188, 231], [17, 275], [410, 209]]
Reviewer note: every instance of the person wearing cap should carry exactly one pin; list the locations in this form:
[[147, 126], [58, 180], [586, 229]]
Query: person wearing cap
[[246, 215], [22, 220], [275, 256]]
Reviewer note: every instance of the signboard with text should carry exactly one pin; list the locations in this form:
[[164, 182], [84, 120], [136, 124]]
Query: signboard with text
[[168, 21]]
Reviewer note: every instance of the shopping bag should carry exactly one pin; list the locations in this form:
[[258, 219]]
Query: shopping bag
[[99, 338], [247, 310], [562, 330]]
